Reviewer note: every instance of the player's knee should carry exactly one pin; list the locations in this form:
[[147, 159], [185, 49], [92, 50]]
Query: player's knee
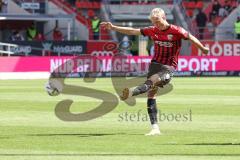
[[153, 92], [164, 79], [151, 96]]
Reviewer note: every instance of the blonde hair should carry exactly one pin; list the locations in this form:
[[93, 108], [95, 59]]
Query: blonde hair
[[157, 12]]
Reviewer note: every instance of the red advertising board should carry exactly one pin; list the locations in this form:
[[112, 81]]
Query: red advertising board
[[101, 48], [219, 48]]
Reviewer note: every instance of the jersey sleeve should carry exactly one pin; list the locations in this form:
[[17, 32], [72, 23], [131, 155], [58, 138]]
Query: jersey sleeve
[[146, 31], [183, 33]]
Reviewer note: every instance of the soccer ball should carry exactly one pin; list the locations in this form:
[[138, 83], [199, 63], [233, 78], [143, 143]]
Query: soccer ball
[[54, 87]]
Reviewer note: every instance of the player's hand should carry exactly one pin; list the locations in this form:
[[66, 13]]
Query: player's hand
[[205, 50], [107, 25]]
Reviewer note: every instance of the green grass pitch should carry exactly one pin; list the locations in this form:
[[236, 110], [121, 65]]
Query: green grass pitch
[[29, 128]]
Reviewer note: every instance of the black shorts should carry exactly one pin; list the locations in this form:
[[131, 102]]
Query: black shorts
[[165, 72]]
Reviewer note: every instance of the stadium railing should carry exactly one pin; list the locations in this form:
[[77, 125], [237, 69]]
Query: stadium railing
[[5, 48], [209, 33]]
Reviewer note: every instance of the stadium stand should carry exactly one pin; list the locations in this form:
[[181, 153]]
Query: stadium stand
[[84, 11], [216, 11]]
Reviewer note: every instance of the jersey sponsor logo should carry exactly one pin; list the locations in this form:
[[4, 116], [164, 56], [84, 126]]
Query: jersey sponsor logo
[[165, 44], [170, 37]]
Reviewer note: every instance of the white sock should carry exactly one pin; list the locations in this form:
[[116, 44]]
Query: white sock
[[155, 126]]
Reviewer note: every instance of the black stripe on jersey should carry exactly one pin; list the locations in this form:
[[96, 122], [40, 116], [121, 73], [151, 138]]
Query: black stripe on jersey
[[174, 50], [170, 53], [180, 43], [178, 47], [165, 55], [159, 58], [157, 52]]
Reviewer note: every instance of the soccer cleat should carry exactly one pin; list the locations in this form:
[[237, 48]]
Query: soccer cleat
[[125, 94], [153, 132]]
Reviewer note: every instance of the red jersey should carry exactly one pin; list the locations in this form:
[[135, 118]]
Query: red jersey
[[167, 43]]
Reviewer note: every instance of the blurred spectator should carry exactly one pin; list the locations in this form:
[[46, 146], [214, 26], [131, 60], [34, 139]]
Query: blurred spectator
[[31, 32], [16, 36], [95, 27], [77, 4], [211, 29], [143, 1], [3, 6], [223, 12], [177, 2], [72, 2], [57, 34], [135, 43], [215, 10], [40, 37], [237, 27], [201, 20], [228, 6]]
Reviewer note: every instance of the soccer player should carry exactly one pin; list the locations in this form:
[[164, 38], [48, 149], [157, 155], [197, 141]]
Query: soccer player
[[167, 44]]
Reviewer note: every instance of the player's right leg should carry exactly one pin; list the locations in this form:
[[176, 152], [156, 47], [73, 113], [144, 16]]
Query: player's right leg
[[152, 112]]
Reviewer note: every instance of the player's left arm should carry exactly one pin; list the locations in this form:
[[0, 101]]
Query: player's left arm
[[198, 44]]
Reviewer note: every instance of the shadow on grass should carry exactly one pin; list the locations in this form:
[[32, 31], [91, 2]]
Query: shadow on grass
[[203, 144], [81, 134], [4, 137], [212, 144]]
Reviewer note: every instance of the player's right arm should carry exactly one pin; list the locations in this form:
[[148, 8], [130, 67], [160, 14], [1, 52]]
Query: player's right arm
[[198, 44], [124, 30]]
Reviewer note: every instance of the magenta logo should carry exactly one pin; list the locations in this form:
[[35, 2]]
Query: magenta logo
[[110, 46]]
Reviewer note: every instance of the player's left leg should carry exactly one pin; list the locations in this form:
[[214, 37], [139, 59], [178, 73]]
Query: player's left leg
[[159, 75], [152, 112], [140, 89], [144, 87], [159, 79]]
